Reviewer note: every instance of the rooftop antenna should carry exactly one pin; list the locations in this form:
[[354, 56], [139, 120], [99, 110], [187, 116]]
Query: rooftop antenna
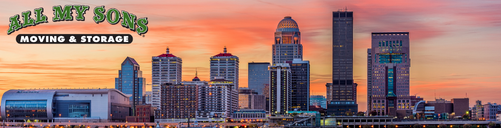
[[167, 50], [345, 8], [196, 72], [224, 49]]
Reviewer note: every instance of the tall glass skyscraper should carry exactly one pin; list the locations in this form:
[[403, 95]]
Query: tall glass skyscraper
[[259, 76], [225, 65], [287, 41], [166, 68], [342, 92], [130, 81], [300, 85], [390, 64]]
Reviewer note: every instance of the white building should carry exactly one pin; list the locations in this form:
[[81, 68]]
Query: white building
[[225, 65], [166, 68], [92, 105], [217, 99]]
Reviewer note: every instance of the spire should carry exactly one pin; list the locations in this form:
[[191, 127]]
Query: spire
[[167, 50], [196, 72], [224, 49]]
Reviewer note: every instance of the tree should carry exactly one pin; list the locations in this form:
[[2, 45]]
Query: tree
[[349, 113], [252, 125], [373, 113], [416, 125], [360, 114], [466, 116], [467, 126], [492, 124]]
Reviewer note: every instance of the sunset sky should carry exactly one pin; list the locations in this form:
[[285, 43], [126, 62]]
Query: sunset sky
[[455, 44]]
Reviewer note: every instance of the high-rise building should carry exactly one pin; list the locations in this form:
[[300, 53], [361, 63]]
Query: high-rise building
[[147, 97], [225, 65], [287, 41], [389, 72], [259, 76], [250, 99], [131, 82], [218, 99], [280, 82], [166, 68], [300, 85], [343, 89], [369, 80], [318, 100], [179, 101]]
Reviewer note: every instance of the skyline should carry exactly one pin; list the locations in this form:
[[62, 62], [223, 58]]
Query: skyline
[[453, 43]]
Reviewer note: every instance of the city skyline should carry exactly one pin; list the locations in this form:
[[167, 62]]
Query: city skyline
[[454, 49]]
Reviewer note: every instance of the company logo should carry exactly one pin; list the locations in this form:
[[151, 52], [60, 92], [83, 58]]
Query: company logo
[[112, 16]]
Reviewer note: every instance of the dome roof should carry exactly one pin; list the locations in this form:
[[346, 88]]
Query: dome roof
[[287, 24]]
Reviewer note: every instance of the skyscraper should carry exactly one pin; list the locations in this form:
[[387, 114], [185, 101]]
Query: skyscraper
[[225, 65], [130, 81], [166, 68], [218, 99], [287, 41], [342, 89], [389, 72], [369, 80], [280, 82], [259, 76], [179, 101], [300, 85]]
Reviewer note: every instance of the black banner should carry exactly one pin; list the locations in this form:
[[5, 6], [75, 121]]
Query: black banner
[[74, 39]]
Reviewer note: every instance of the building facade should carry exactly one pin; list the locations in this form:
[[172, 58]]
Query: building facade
[[218, 99], [250, 99], [101, 105], [280, 82], [179, 101], [343, 88], [225, 65], [259, 76], [131, 82], [147, 97], [287, 44], [461, 106], [300, 85], [318, 100], [390, 58], [166, 68]]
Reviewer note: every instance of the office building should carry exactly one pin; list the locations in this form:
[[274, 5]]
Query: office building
[[369, 80], [390, 58], [461, 106], [477, 111], [318, 100], [490, 110], [99, 105], [225, 65], [343, 89], [300, 85], [218, 99], [131, 82], [259, 76], [179, 101], [166, 68], [144, 113], [250, 99], [287, 44], [280, 82], [147, 97]]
